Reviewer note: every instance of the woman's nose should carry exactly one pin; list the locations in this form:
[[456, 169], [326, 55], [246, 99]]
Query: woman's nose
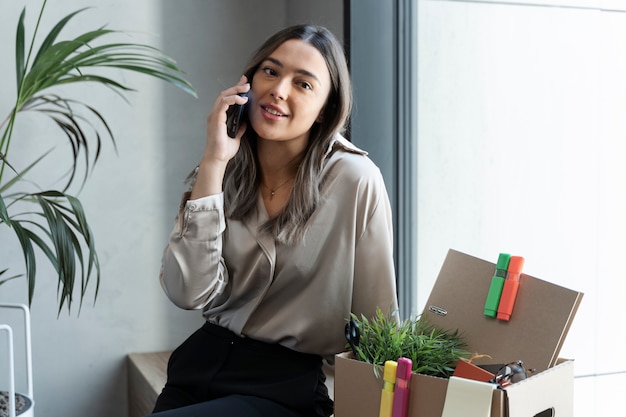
[[280, 90]]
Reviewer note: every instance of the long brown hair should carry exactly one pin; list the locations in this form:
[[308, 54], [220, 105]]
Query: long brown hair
[[242, 179]]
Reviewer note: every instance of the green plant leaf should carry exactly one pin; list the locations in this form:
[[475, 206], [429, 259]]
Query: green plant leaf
[[57, 64], [54, 62], [20, 175], [4, 280], [73, 231], [53, 34], [19, 50], [83, 227], [4, 213], [433, 351], [66, 228], [6, 162], [62, 240], [58, 225], [29, 257], [72, 123]]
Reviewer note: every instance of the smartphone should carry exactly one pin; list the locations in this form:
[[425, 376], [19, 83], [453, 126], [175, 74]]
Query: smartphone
[[235, 116]]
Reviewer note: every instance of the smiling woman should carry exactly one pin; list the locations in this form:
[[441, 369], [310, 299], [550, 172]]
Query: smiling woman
[[285, 232], [288, 98], [287, 101]]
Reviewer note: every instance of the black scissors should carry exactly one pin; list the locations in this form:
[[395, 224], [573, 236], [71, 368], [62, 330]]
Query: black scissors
[[353, 334]]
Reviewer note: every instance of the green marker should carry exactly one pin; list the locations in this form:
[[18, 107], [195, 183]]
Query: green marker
[[497, 283]]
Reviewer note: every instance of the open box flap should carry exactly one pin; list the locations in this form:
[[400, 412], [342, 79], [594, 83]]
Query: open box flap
[[535, 396], [540, 321]]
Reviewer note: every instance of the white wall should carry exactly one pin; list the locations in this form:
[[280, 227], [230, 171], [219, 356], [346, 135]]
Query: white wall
[[79, 362], [522, 138]]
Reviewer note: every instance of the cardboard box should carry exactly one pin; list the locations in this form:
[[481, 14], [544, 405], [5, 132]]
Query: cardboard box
[[535, 334]]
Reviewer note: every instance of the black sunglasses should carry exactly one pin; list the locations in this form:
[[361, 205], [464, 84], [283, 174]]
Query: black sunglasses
[[511, 373]]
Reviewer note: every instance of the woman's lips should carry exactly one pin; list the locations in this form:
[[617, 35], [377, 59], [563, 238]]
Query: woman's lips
[[272, 112]]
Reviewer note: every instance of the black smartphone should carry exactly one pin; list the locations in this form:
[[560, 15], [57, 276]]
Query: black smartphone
[[235, 116]]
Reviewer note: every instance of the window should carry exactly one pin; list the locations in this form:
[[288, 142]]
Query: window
[[515, 142], [521, 143]]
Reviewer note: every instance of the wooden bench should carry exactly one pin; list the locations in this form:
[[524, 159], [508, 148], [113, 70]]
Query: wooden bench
[[147, 373]]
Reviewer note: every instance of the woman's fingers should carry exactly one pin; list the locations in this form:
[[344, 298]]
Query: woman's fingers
[[232, 94], [218, 144]]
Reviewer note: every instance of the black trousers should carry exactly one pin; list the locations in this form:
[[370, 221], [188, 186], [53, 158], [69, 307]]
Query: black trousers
[[216, 373]]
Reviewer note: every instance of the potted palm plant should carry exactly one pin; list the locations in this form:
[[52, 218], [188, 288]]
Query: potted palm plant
[[51, 224]]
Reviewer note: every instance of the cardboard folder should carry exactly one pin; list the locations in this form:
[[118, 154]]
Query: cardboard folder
[[541, 318]]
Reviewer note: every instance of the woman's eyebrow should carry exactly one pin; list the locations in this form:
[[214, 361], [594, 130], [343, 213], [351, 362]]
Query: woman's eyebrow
[[298, 70]]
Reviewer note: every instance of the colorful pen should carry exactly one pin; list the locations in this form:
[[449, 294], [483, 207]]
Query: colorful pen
[[401, 393], [389, 381], [497, 283], [511, 285]]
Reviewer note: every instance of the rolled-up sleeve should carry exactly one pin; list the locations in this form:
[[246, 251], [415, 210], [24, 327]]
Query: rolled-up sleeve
[[192, 270]]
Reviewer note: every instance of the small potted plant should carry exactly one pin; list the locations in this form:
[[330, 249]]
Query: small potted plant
[[363, 381], [433, 351]]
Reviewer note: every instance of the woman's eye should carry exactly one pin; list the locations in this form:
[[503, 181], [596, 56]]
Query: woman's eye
[[306, 85], [269, 71]]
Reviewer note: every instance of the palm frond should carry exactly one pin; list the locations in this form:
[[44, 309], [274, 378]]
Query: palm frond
[[65, 61], [29, 256], [3, 280], [53, 34], [57, 226], [6, 162], [73, 123], [66, 240], [20, 176]]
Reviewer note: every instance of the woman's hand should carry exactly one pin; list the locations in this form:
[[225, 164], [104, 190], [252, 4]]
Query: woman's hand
[[219, 148]]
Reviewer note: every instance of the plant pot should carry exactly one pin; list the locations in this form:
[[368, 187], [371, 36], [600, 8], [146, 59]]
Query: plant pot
[[23, 405]]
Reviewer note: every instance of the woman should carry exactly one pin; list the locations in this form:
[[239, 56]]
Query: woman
[[285, 232]]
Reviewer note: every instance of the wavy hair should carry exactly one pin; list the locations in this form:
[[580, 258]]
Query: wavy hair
[[242, 179]]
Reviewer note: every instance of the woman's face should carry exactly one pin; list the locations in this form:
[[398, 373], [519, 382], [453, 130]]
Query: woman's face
[[289, 91]]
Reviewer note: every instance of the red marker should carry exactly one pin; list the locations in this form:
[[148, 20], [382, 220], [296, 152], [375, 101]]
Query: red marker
[[401, 394], [511, 285]]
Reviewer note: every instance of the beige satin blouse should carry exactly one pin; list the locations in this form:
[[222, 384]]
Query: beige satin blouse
[[299, 296]]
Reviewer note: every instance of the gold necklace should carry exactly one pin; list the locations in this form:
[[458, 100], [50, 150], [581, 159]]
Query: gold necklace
[[273, 190]]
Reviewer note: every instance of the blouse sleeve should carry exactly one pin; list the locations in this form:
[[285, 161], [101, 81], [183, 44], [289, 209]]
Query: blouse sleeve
[[374, 272], [192, 269]]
